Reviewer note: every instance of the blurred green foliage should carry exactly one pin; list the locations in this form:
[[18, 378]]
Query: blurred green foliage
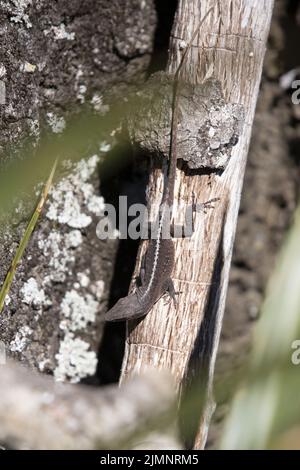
[[81, 137], [267, 404]]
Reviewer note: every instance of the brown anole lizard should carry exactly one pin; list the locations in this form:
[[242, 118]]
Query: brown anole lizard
[[159, 259]]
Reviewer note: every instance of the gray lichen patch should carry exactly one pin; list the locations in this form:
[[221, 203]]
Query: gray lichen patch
[[56, 248], [33, 294], [60, 32], [75, 360], [208, 126], [74, 194], [52, 317], [18, 11], [56, 123], [19, 343], [78, 311]]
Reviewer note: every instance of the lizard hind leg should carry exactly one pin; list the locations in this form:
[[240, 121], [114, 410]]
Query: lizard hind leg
[[170, 292]]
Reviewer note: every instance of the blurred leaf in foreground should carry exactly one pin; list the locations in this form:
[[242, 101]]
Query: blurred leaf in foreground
[[268, 404], [83, 135]]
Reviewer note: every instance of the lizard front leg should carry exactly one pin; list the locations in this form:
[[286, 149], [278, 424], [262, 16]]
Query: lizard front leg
[[187, 230]]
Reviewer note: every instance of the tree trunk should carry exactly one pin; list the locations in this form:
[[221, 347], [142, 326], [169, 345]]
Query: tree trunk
[[55, 57], [230, 47]]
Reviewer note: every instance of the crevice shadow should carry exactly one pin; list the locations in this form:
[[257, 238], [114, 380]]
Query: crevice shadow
[[120, 177], [194, 387], [289, 23], [165, 16]]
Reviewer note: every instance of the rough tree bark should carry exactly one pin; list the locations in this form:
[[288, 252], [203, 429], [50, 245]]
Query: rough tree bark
[[54, 58], [230, 48]]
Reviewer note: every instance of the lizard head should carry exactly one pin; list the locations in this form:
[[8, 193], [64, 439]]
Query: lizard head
[[126, 308]]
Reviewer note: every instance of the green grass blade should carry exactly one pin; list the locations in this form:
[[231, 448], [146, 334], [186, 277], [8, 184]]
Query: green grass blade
[[25, 239]]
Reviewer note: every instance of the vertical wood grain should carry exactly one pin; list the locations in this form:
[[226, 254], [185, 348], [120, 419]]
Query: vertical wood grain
[[230, 47]]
